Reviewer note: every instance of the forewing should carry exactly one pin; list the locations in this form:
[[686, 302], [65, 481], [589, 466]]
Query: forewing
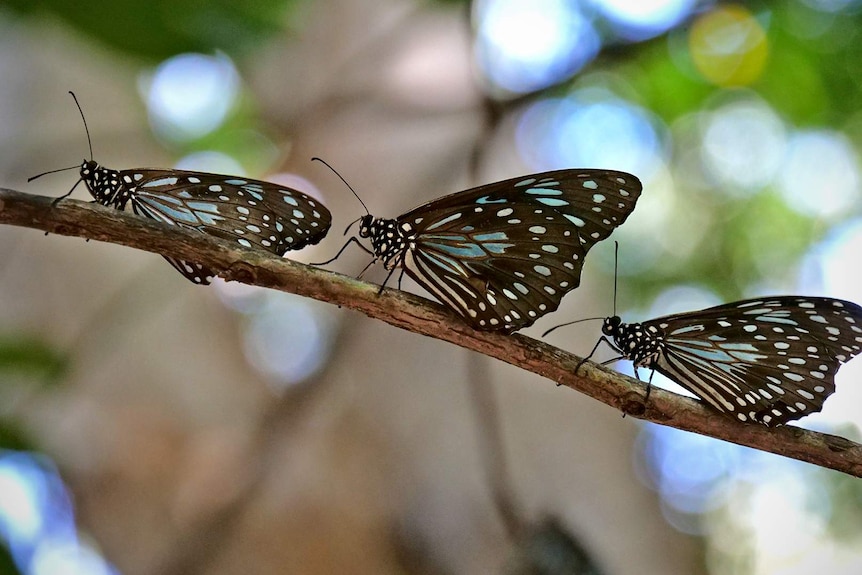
[[594, 201], [769, 360], [252, 213]]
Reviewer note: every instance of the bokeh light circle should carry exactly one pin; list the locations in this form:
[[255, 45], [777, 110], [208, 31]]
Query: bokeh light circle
[[527, 45], [729, 46], [190, 95], [743, 145], [592, 128]]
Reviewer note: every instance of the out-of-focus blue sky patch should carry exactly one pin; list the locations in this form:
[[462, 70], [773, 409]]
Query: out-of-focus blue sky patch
[[592, 128], [526, 45], [636, 20]]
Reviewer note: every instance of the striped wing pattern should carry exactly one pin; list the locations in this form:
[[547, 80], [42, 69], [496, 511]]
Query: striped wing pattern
[[767, 360], [502, 255], [249, 212]]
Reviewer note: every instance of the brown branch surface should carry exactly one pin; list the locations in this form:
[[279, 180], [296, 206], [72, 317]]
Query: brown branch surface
[[418, 315]]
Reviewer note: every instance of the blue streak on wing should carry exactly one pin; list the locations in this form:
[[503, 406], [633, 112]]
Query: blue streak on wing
[[464, 247], [444, 262], [774, 319], [444, 221], [491, 236], [708, 353], [697, 362], [256, 193], [487, 200], [724, 360], [552, 202], [687, 329], [203, 206], [465, 250], [207, 213], [177, 215], [544, 192], [738, 346], [154, 198], [497, 248], [169, 181]]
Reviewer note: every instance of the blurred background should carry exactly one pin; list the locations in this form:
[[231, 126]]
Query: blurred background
[[151, 426]]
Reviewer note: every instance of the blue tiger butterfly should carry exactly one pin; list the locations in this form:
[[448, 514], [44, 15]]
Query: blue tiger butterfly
[[252, 213], [767, 360], [503, 254]]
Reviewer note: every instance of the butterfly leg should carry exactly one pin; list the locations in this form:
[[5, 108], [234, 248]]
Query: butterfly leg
[[352, 240], [386, 281], [595, 347], [649, 386], [56, 200], [66, 195]]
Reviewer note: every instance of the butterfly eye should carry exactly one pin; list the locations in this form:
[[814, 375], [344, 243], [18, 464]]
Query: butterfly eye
[[611, 325]]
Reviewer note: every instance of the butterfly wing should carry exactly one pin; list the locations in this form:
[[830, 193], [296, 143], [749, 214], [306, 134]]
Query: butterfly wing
[[769, 360], [250, 212], [504, 254]]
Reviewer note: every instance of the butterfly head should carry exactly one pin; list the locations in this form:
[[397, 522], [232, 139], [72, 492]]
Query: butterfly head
[[611, 326], [365, 224]]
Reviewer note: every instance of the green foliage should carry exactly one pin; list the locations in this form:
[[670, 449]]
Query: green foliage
[[31, 357], [157, 29], [7, 566], [13, 438]]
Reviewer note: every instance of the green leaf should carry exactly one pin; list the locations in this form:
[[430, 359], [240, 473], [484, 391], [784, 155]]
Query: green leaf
[[159, 29], [31, 357]]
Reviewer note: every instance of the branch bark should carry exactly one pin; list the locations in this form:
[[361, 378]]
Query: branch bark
[[418, 315]]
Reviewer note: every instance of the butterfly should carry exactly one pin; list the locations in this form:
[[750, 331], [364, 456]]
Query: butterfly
[[252, 213], [768, 360], [503, 254]]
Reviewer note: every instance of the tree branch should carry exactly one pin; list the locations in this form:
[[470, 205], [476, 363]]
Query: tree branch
[[418, 315]]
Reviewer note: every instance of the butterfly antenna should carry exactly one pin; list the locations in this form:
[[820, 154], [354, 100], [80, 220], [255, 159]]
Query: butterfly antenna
[[86, 129], [616, 263], [322, 161], [30, 179], [571, 323], [350, 225]]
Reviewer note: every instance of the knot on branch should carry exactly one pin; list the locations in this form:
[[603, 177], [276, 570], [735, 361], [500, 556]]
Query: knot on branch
[[241, 272], [632, 403]]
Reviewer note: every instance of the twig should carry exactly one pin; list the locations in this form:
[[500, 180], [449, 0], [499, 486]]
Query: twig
[[418, 315]]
